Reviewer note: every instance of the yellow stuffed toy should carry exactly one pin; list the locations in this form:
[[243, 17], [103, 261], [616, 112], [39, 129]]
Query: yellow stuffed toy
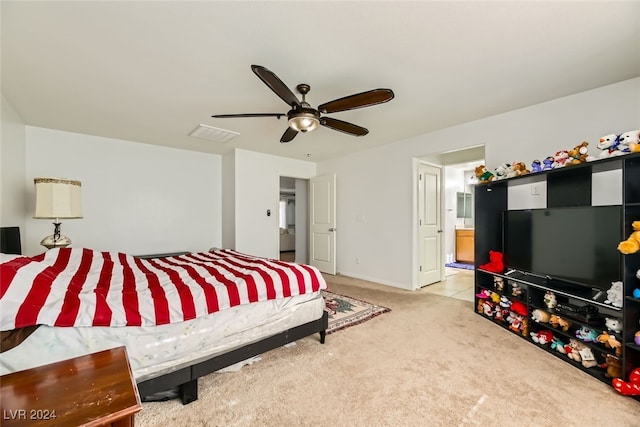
[[632, 244]]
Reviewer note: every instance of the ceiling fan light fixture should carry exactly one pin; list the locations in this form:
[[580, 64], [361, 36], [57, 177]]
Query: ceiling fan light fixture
[[302, 118], [304, 122]]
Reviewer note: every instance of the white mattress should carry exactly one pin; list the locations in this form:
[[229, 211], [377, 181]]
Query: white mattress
[[157, 350]]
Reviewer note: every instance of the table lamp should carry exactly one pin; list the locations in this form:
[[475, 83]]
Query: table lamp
[[57, 198]]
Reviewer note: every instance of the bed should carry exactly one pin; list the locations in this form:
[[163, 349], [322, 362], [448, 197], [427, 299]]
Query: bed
[[180, 316]]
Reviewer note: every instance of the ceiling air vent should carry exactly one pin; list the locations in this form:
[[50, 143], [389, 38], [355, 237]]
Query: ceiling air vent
[[213, 134]]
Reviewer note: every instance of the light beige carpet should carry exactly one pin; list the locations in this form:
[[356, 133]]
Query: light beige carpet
[[431, 361]]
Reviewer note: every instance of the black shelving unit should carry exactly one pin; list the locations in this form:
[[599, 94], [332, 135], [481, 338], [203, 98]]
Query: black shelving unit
[[567, 187]]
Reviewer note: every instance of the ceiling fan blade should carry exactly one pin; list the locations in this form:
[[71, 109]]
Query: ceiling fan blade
[[227, 116], [276, 85], [343, 126], [288, 135], [359, 100]]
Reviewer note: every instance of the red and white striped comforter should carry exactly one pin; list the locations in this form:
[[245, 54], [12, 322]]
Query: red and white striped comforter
[[82, 287]]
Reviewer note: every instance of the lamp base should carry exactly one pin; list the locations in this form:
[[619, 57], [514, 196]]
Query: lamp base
[[55, 241]]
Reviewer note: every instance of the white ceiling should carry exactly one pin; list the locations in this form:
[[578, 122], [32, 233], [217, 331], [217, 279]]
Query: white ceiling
[[152, 71]]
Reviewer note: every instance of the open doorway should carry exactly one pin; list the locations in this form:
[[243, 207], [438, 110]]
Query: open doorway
[[293, 219], [459, 236], [454, 205], [459, 229]]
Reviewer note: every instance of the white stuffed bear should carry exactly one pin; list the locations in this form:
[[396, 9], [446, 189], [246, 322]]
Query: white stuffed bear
[[609, 146], [631, 140]]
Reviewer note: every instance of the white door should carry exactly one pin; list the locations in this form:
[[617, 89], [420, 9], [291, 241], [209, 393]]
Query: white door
[[322, 244], [429, 225]]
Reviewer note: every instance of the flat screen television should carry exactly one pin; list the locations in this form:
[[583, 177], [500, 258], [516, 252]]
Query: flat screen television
[[577, 245]]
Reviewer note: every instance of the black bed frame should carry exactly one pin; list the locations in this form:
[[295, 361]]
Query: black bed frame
[[186, 379]]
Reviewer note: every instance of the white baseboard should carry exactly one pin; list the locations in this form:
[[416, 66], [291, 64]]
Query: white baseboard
[[375, 280]]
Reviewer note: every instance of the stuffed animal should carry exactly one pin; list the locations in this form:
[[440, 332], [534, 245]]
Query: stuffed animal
[[495, 297], [610, 341], [542, 337], [498, 283], [609, 146], [631, 388], [579, 352], [519, 168], [578, 154], [613, 366], [628, 138], [632, 139], [560, 159], [613, 324], [614, 294], [495, 264], [488, 308], [540, 316], [504, 171], [636, 338], [557, 321], [558, 345], [483, 174], [536, 166], [516, 289], [547, 163], [518, 318], [632, 244], [586, 334], [480, 307], [484, 294], [503, 308], [550, 300]]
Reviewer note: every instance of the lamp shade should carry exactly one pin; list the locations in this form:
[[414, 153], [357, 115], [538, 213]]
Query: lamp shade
[[57, 198]]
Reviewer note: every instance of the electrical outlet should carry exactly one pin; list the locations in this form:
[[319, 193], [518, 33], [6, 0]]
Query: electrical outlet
[[535, 190], [357, 260]]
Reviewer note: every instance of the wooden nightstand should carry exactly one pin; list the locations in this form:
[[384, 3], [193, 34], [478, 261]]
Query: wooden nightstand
[[93, 390]]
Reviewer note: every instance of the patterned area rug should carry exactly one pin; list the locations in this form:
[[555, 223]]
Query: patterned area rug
[[346, 311], [461, 265]]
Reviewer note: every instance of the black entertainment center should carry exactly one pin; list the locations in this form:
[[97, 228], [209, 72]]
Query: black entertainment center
[[560, 260]]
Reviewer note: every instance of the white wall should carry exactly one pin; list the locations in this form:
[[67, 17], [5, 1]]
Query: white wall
[[137, 198], [257, 189], [141, 198], [379, 184], [12, 169], [302, 221], [228, 201]]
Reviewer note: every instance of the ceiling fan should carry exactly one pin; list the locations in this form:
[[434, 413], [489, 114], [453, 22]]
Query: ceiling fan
[[303, 118]]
